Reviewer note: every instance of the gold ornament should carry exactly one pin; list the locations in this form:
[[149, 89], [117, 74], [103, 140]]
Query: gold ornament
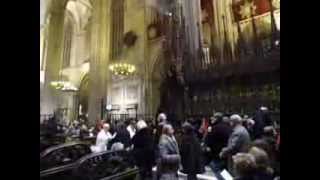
[[246, 9]]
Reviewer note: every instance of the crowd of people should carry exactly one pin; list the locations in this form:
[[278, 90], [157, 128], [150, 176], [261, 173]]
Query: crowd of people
[[74, 129], [247, 148]]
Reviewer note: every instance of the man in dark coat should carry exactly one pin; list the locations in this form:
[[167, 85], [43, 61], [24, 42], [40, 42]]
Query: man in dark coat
[[190, 151], [261, 119], [122, 136], [216, 140], [52, 126], [143, 152]]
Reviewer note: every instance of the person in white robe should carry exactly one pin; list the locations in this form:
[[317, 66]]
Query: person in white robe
[[104, 136]]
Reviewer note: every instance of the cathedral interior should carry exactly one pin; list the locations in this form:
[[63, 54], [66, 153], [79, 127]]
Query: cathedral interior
[[108, 58], [170, 72]]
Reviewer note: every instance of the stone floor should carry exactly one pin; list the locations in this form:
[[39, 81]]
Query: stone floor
[[208, 175]]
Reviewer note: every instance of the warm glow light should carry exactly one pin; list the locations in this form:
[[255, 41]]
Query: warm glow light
[[85, 68], [63, 86], [124, 69]]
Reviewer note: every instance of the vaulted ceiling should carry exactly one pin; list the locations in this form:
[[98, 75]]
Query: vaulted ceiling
[[81, 11]]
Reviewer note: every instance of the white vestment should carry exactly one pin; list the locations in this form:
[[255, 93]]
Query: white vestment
[[102, 140], [132, 131]]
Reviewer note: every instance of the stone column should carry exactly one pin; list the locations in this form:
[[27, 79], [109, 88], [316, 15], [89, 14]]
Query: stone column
[[99, 57], [54, 55]]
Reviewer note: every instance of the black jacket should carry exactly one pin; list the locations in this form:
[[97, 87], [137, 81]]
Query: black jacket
[[218, 138], [257, 175], [260, 175], [190, 151], [261, 119], [123, 136], [143, 148]]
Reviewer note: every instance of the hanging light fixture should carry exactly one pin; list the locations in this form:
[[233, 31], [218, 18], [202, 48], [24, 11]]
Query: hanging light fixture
[[63, 86], [57, 84], [122, 69]]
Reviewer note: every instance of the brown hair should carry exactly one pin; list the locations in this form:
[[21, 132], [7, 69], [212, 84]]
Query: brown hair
[[261, 159], [244, 164]]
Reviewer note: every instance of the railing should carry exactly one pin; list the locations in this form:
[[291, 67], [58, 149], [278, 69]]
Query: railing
[[75, 161], [105, 165], [128, 117], [62, 155], [57, 162]]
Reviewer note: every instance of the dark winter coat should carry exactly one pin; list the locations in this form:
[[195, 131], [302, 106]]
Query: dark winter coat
[[190, 151], [143, 146], [261, 119], [123, 136], [218, 138], [262, 175], [257, 175]]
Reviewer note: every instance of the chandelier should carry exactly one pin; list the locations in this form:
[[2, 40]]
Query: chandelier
[[123, 69], [63, 86]]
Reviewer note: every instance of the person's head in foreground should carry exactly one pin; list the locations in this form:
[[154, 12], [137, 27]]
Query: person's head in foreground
[[262, 160], [187, 128], [226, 119], [244, 165], [162, 117], [269, 131], [235, 120], [167, 130], [217, 117], [141, 124], [262, 144], [250, 122], [120, 127], [133, 122], [106, 127]]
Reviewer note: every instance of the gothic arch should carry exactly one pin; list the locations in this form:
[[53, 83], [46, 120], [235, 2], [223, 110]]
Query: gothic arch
[[83, 98], [52, 6]]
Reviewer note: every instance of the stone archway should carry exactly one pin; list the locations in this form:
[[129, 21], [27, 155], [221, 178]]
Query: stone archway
[[83, 97]]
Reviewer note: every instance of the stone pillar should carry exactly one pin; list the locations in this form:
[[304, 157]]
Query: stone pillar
[[99, 57], [54, 55]]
